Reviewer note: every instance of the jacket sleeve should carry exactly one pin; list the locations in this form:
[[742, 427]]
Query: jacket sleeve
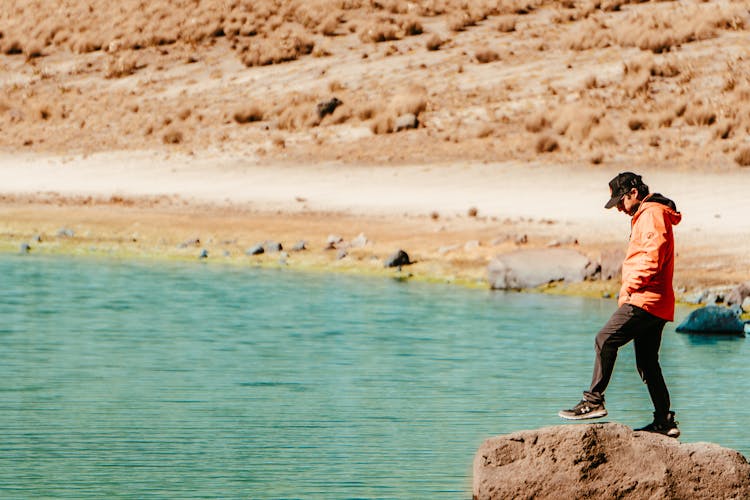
[[644, 254]]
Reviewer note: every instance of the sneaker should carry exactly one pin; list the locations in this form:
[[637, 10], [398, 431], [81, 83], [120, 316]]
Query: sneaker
[[583, 410], [666, 426]]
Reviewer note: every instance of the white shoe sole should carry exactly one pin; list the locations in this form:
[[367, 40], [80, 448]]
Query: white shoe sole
[[586, 416]]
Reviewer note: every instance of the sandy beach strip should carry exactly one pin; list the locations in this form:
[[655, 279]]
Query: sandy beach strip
[[148, 203]]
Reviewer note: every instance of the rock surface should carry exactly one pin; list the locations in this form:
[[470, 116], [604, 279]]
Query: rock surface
[[398, 259], [712, 319], [739, 294], [535, 267], [606, 460]]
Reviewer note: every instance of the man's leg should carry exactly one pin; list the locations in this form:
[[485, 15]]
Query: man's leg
[[621, 328], [647, 344]]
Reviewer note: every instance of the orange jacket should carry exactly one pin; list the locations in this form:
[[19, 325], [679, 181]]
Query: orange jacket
[[649, 263]]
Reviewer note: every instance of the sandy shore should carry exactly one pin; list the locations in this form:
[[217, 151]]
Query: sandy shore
[[153, 205]]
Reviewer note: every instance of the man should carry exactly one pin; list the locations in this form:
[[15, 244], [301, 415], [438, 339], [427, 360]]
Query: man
[[645, 302]]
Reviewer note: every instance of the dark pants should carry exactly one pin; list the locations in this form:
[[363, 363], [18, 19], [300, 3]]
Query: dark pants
[[630, 323]]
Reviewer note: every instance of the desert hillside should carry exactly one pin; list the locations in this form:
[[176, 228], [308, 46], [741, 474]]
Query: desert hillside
[[609, 81]]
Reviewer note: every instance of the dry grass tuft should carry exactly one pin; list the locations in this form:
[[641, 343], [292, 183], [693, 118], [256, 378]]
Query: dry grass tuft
[[380, 31], [119, 67], [506, 24], [434, 42], [546, 144], [282, 46], [743, 157], [412, 102], [172, 136], [487, 55], [700, 116], [253, 113], [637, 123], [536, 123]]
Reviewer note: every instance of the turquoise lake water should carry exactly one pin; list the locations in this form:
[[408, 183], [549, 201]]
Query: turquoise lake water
[[152, 380]]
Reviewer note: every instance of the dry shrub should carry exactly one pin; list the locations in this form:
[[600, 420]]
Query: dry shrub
[[298, 111], [590, 82], [434, 42], [576, 122], [366, 112], [412, 102], [679, 109], [252, 113], [725, 130], [33, 50], [487, 55], [590, 34], [341, 114], [484, 131], [12, 47], [83, 44], [383, 124], [380, 31], [282, 46], [43, 112], [603, 133], [460, 21], [411, 26], [119, 67], [665, 69], [665, 119], [546, 144], [637, 82], [172, 136], [637, 123], [506, 24], [329, 25], [700, 116], [657, 30], [536, 123], [743, 157]]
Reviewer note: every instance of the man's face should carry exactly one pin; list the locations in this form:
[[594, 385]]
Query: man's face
[[628, 204]]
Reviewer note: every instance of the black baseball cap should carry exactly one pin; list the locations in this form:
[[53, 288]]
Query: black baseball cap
[[621, 185]]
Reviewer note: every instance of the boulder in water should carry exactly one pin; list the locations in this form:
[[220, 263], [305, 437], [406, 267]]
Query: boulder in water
[[712, 319], [531, 268]]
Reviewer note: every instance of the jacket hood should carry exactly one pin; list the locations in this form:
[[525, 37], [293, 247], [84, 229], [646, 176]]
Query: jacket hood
[[661, 202]]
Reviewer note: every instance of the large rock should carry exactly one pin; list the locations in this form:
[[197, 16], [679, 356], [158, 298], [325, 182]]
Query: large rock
[[712, 319], [532, 268], [739, 294], [397, 259], [605, 461]]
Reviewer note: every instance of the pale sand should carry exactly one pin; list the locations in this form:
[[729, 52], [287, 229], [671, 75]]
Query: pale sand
[[160, 201]]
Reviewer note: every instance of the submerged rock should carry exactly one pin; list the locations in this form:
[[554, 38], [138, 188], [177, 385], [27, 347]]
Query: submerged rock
[[712, 319], [531, 268], [605, 460]]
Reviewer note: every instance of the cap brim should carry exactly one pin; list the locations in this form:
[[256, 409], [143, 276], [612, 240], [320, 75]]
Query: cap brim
[[612, 202]]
